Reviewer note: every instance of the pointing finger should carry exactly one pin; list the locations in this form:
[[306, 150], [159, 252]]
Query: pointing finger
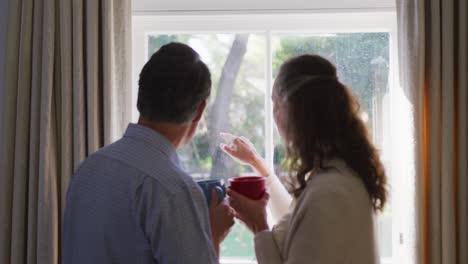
[[227, 136]]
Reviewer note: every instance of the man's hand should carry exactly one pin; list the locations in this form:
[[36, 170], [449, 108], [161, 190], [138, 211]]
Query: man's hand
[[221, 219]]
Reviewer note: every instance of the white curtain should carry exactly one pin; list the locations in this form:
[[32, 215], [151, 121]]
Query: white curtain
[[433, 44], [66, 93]]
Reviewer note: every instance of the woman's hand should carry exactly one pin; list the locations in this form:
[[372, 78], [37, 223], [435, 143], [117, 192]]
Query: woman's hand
[[251, 212], [221, 220], [243, 151]]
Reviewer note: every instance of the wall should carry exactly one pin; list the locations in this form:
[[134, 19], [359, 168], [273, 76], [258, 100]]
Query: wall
[[268, 6]]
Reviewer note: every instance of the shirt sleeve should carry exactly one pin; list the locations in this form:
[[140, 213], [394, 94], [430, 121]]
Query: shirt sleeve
[[316, 234], [172, 226], [280, 199], [266, 250]]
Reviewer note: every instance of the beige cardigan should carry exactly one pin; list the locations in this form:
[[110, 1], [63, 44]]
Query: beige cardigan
[[331, 222]]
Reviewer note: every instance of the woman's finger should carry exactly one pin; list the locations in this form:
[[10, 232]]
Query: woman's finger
[[247, 141], [228, 150], [236, 204], [266, 196], [235, 195], [224, 147], [231, 212], [237, 141], [232, 203], [240, 219], [238, 199], [227, 137]]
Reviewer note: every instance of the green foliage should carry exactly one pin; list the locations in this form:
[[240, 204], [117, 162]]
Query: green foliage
[[157, 41], [359, 58]]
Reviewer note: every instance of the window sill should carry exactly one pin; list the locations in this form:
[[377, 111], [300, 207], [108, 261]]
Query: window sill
[[243, 261]]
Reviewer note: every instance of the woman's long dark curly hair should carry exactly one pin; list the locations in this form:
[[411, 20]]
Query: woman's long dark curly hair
[[322, 123]]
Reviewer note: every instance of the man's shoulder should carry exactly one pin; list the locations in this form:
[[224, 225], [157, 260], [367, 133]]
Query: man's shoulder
[[151, 164], [103, 157], [173, 179]]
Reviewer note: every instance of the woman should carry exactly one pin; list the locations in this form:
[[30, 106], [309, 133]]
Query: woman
[[337, 181]]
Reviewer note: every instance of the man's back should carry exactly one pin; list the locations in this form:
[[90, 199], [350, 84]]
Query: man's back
[[130, 203]]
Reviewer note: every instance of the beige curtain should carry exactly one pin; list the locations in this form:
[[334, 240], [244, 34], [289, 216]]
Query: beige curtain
[[66, 93], [433, 38]]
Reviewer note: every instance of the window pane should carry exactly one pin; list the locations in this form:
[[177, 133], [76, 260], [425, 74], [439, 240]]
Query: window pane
[[237, 64], [236, 105], [362, 61]]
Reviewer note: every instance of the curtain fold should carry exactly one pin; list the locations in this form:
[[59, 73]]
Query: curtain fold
[[462, 133], [433, 36], [66, 93]]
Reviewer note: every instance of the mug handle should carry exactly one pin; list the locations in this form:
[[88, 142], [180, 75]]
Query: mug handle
[[220, 191]]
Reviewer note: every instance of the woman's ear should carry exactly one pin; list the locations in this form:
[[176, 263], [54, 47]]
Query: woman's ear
[[200, 111]]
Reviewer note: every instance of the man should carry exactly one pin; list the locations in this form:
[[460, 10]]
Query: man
[[130, 202]]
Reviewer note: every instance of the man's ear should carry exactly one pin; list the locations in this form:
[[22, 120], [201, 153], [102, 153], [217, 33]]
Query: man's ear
[[200, 111]]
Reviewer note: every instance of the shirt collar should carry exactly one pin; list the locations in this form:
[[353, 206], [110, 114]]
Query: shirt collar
[[153, 139]]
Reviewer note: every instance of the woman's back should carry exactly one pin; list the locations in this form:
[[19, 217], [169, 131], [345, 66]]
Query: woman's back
[[331, 222]]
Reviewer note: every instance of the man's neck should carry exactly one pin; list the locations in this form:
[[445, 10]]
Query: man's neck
[[175, 133]]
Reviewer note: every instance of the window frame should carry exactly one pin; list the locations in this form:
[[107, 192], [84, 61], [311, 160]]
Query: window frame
[[259, 6], [316, 22]]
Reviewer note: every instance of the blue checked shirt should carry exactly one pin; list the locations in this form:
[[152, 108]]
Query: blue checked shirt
[[130, 202]]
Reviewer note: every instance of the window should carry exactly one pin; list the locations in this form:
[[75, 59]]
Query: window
[[244, 53]]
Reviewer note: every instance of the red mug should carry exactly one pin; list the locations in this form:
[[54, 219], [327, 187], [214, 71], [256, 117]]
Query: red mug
[[252, 187]]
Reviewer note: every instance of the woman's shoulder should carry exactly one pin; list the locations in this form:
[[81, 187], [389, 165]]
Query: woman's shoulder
[[335, 176], [336, 184]]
